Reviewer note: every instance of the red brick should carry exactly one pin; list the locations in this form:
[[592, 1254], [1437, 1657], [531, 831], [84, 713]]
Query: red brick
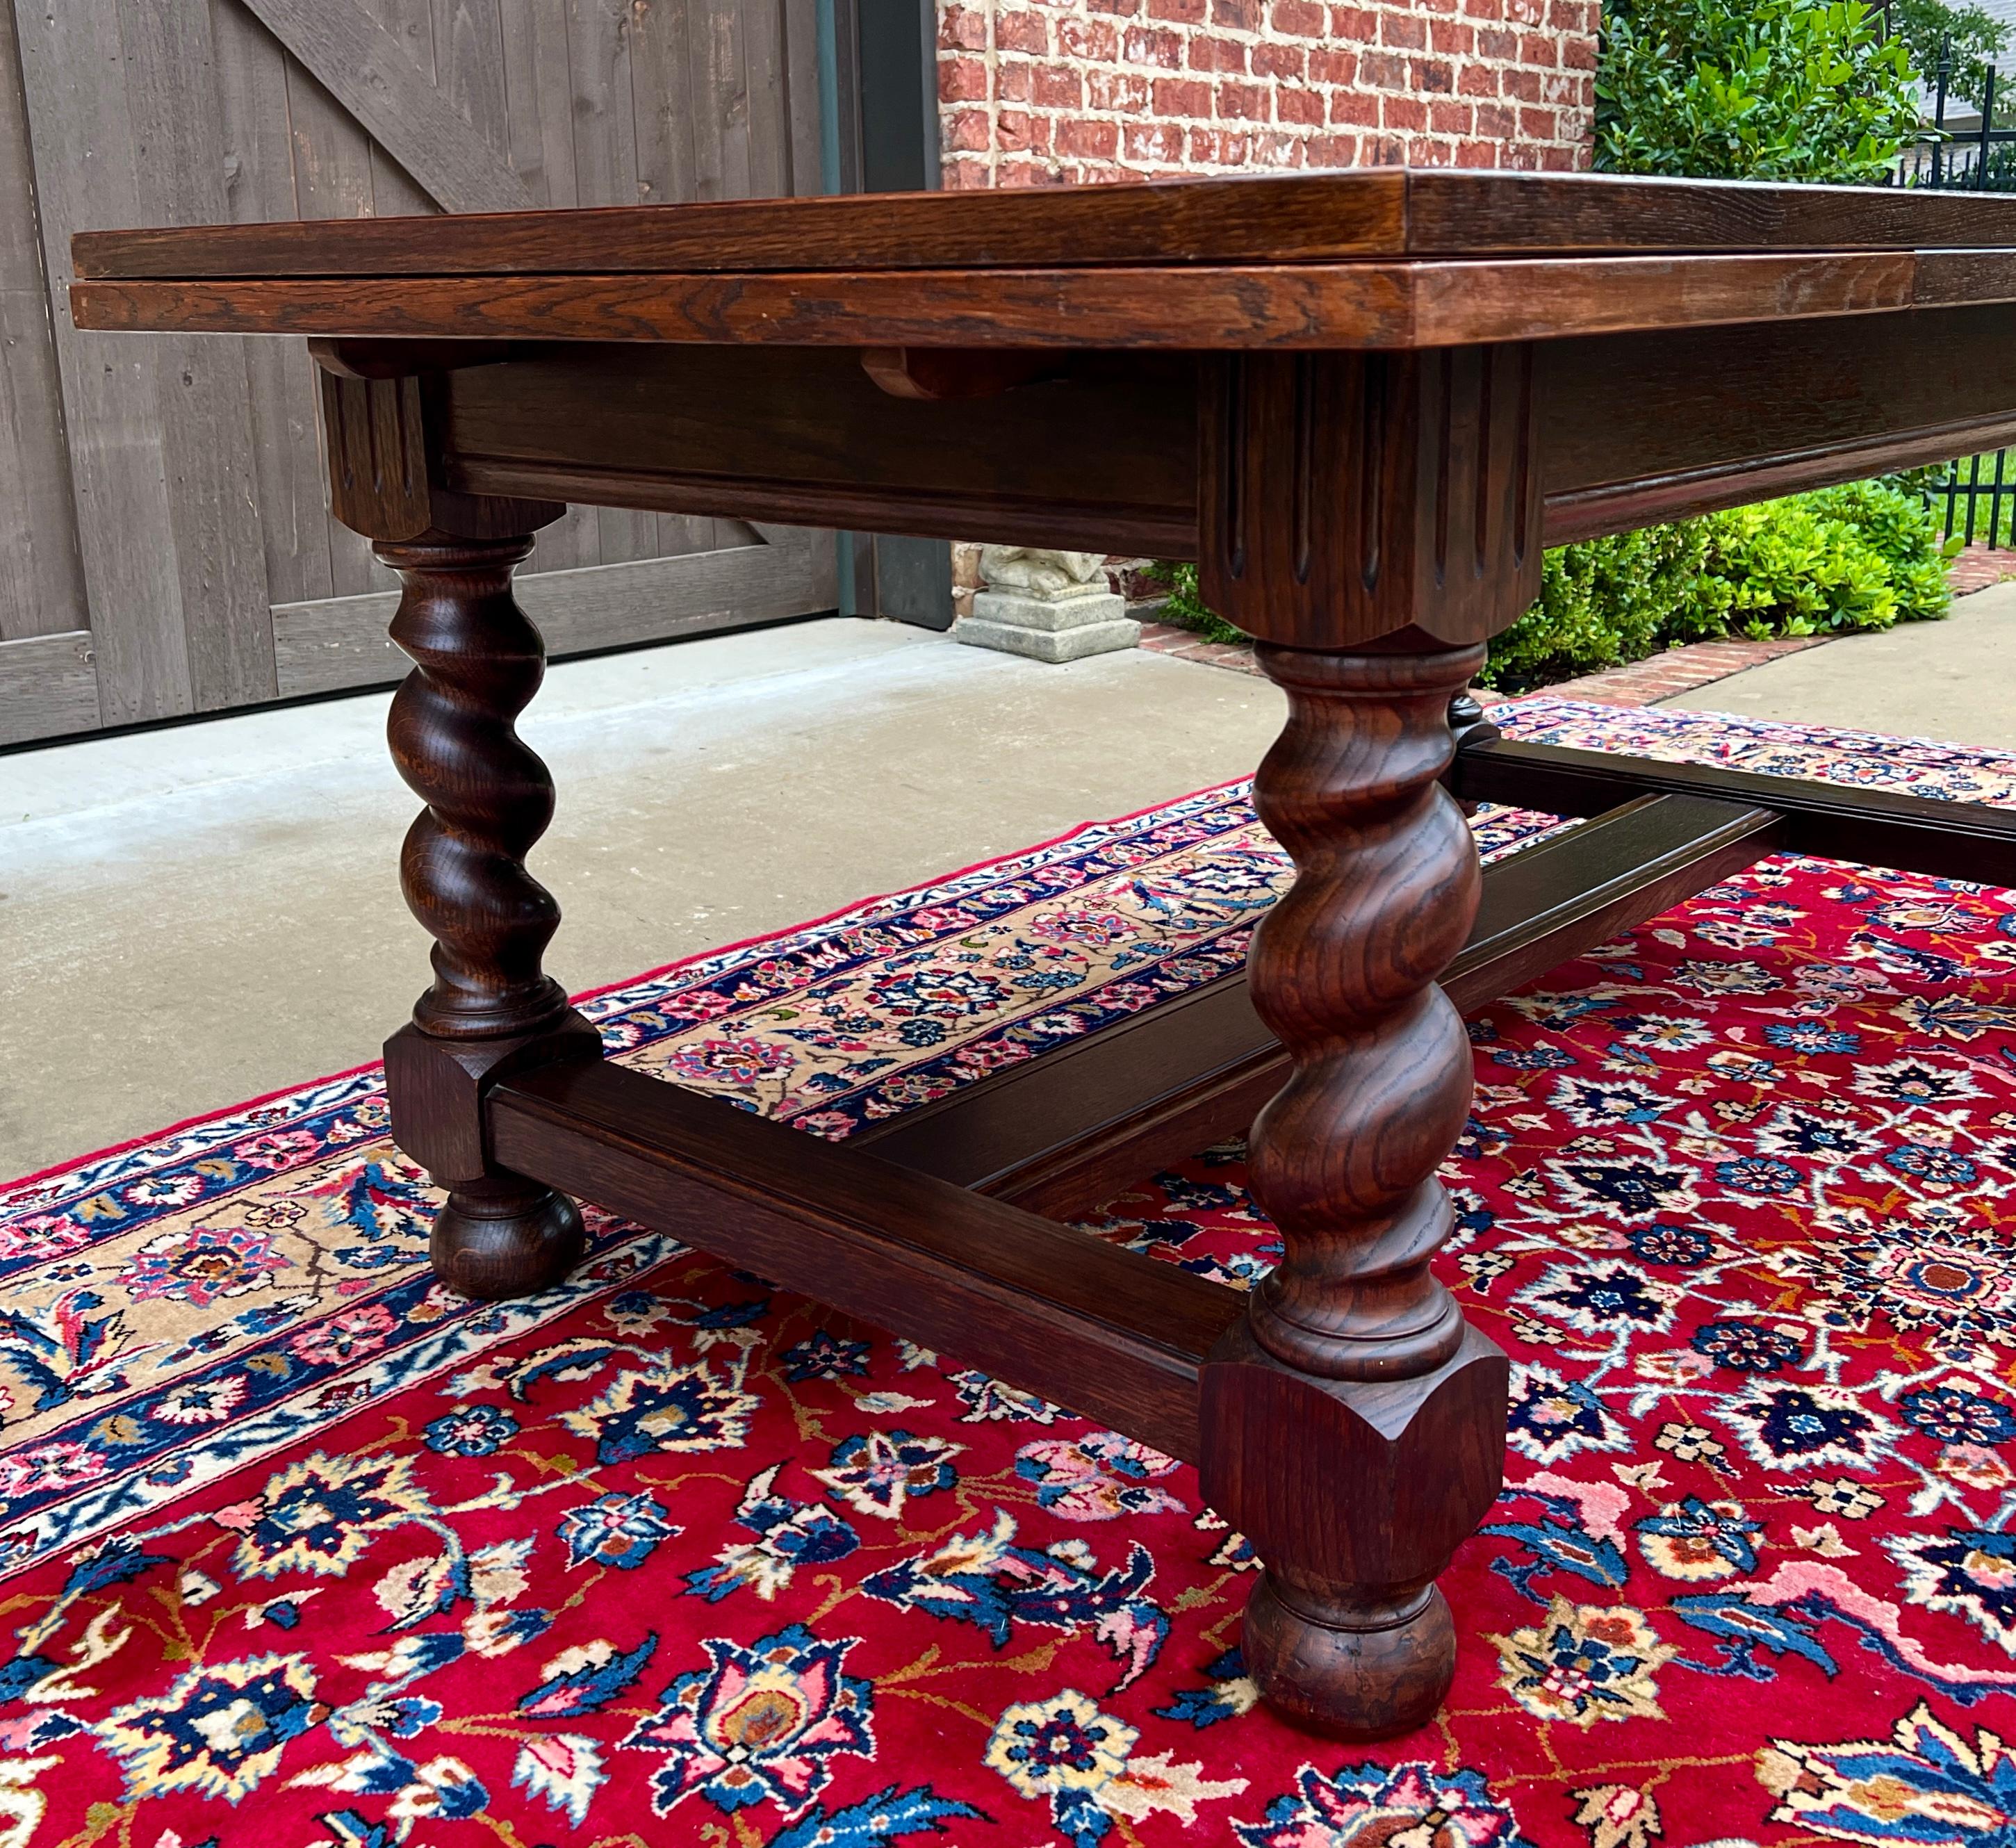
[[962, 28], [1293, 103], [1057, 86], [1022, 30], [1108, 85], [1183, 96], [1092, 40], [968, 130], [1160, 143], [1118, 92], [1099, 140], [1383, 72], [1210, 53], [1248, 102], [1358, 108], [1148, 45], [963, 80]]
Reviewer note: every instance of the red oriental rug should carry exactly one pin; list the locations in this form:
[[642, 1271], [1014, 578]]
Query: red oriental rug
[[299, 1549]]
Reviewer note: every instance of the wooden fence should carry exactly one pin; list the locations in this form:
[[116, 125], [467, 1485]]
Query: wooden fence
[[163, 545]]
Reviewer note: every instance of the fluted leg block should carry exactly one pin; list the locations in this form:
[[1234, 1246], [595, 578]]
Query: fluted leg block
[[1354, 1427], [491, 1009]]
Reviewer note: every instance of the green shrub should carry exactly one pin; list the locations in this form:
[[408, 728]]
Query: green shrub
[[1752, 89], [1861, 556]]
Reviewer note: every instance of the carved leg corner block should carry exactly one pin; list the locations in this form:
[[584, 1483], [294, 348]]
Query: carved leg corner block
[[1356, 1494], [498, 1234], [492, 1011]]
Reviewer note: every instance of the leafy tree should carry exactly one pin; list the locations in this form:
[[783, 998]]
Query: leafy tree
[[1752, 89], [1976, 37]]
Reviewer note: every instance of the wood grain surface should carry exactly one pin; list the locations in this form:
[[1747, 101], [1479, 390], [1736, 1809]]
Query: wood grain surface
[[1412, 303], [1259, 219]]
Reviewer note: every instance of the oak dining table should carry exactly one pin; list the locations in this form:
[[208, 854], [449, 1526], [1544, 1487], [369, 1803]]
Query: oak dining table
[[1364, 402]]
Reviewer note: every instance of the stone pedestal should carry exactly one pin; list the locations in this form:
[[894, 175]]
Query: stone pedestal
[[1050, 606]]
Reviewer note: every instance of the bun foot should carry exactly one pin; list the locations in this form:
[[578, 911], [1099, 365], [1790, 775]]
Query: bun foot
[[1347, 1682], [505, 1237]]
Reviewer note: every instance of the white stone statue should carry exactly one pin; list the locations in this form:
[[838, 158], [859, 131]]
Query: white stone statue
[[1030, 571], [1050, 606]]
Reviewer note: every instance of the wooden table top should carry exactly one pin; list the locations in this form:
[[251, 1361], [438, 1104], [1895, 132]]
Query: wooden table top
[[1380, 257]]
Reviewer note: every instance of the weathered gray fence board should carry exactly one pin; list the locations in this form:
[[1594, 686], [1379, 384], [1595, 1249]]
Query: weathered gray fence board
[[259, 186], [49, 687], [661, 45], [324, 646], [201, 394], [373, 74], [802, 92], [73, 69], [172, 493], [394, 192], [540, 130], [605, 164], [41, 579]]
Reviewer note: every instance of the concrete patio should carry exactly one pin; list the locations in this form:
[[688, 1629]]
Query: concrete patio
[[1948, 680], [195, 916]]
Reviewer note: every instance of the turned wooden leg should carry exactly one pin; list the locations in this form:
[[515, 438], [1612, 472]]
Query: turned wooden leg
[[1370, 517], [1354, 1426], [492, 1009]]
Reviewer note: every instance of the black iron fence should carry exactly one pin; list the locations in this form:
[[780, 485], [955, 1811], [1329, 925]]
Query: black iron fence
[[1976, 497], [1965, 151]]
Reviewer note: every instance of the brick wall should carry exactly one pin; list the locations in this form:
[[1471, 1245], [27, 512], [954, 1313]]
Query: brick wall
[[1038, 92]]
